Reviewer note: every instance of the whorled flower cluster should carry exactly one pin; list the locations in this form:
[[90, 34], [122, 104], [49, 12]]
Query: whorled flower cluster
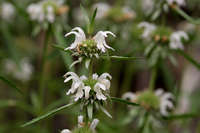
[[175, 39], [95, 87], [164, 99], [88, 47], [44, 11], [81, 124]]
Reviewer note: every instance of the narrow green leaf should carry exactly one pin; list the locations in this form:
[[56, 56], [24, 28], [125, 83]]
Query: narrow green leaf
[[181, 116], [92, 22], [115, 99], [9, 83], [48, 114], [189, 58], [67, 59], [187, 17], [121, 57], [105, 111]]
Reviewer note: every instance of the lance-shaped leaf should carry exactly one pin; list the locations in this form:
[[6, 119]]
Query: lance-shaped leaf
[[186, 16], [115, 99], [121, 57], [189, 58], [12, 85], [48, 114]]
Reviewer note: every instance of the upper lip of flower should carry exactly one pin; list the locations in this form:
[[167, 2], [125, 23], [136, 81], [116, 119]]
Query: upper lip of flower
[[99, 38]]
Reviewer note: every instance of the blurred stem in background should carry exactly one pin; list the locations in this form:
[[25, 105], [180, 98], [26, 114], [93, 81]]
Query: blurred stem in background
[[43, 62], [153, 78]]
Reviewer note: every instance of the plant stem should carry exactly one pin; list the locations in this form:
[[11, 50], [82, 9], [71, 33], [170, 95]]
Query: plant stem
[[91, 68], [43, 62], [153, 78], [145, 123]]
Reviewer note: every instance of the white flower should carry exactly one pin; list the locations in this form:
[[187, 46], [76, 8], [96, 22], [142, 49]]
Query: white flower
[[21, 71], [65, 131], [165, 101], [148, 29], [178, 2], [129, 96], [77, 84], [80, 121], [102, 9], [102, 84], [80, 37], [94, 124], [129, 13], [44, 10], [176, 40], [147, 6], [7, 11], [98, 84]]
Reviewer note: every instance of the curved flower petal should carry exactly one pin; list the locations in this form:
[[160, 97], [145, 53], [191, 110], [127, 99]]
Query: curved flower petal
[[65, 131], [100, 86], [87, 91]]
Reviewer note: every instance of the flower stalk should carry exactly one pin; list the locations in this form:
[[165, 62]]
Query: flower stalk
[[153, 78], [43, 62]]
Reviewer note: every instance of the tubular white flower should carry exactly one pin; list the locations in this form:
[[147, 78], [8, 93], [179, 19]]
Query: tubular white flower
[[79, 37], [101, 42], [148, 29], [176, 39], [165, 101], [65, 131], [77, 84], [7, 11], [102, 84], [129, 96], [94, 124], [80, 121]]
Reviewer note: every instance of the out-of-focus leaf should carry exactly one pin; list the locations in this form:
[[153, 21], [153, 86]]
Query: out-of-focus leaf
[[48, 114], [61, 42], [189, 58], [181, 116], [187, 17], [12, 85], [115, 99], [7, 103]]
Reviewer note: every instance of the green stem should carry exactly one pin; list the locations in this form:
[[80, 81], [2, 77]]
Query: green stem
[[145, 123], [91, 68], [43, 62], [153, 79]]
